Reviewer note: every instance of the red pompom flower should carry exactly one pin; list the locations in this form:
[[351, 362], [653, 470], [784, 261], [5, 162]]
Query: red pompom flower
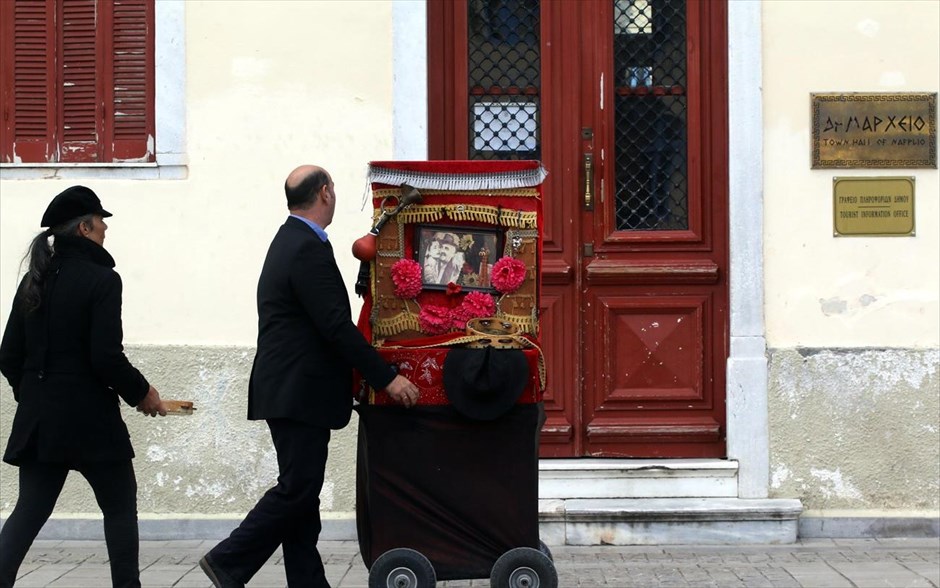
[[406, 275], [435, 320], [508, 274], [474, 305]]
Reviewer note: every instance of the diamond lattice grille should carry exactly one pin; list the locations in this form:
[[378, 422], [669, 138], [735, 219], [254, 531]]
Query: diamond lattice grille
[[650, 115], [504, 79]]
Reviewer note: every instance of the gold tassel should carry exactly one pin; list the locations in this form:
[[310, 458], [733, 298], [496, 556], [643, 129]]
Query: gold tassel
[[492, 215], [404, 321]]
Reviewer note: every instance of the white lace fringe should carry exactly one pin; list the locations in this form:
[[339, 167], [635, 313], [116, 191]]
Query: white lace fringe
[[459, 181]]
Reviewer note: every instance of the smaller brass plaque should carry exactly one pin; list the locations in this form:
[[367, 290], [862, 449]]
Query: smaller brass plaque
[[880, 130], [873, 207]]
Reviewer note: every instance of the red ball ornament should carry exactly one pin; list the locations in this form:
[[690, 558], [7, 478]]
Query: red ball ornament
[[364, 248]]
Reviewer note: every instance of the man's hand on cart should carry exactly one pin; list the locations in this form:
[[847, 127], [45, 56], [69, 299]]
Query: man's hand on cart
[[403, 391]]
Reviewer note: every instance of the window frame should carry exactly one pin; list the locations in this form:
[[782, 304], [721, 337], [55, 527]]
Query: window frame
[[170, 157]]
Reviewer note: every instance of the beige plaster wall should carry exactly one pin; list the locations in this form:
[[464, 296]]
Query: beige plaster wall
[[269, 85], [852, 323], [823, 291], [849, 429], [211, 464], [856, 428]]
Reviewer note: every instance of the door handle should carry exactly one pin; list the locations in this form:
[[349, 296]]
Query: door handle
[[588, 181]]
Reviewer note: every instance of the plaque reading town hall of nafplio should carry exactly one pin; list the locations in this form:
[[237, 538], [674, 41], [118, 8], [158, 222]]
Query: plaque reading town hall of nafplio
[[881, 130]]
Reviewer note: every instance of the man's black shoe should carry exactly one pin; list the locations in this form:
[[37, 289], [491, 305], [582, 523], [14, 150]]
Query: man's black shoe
[[219, 578]]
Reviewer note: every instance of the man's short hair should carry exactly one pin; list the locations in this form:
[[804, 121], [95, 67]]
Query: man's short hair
[[305, 193]]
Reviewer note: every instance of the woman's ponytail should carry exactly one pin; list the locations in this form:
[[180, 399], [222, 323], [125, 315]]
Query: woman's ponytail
[[40, 258]]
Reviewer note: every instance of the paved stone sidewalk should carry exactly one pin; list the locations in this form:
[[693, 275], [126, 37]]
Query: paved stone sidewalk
[[816, 563]]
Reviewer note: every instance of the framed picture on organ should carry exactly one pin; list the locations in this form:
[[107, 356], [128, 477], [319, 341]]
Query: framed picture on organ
[[463, 256]]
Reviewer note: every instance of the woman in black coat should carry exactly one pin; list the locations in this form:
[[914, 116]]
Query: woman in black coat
[[63, 355]]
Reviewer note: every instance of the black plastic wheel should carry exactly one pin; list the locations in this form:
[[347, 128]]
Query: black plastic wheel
[[544, 549], [402, 568], [524, 567]]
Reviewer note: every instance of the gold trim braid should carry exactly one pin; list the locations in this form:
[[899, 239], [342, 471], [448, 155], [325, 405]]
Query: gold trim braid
[[404, 321], [408, 321], [493, 215]]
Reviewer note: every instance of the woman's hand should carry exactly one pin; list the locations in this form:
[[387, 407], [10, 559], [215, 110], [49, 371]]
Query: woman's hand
[[151, 404]]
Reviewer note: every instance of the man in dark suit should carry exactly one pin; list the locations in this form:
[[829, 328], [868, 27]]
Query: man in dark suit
[[301, 384]]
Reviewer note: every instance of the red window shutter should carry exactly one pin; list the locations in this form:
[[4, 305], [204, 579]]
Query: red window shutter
[[129, 96], [77, 80], [27, 29], [78, 92]]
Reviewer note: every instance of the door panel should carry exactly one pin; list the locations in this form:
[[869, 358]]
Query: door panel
[[650, 386], [655, 350], [555, 318], [624, 101]]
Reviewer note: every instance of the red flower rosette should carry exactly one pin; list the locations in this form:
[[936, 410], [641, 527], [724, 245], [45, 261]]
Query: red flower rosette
[[474, 305], [435, 320], [406, 275], [508, 274]]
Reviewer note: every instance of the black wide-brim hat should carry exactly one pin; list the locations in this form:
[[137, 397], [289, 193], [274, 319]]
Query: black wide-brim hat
[[483, 384], [72, 203]]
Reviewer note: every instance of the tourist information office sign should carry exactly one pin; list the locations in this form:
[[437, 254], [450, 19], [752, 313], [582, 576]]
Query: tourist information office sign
[[873, 207]]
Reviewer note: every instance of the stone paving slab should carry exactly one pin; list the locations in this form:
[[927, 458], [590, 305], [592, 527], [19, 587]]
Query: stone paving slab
[[813, 563]]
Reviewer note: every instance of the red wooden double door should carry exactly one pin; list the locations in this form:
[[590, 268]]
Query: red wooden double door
[[625, 103]]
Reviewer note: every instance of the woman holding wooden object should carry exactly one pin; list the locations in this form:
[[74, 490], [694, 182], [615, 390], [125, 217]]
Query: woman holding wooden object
[[63, 355]]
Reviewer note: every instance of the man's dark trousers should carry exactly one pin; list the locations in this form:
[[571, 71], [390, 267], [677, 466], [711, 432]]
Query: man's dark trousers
[[288, 514]]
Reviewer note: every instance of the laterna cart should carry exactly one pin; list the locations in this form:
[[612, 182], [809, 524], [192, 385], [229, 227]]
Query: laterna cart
[[448, 489]]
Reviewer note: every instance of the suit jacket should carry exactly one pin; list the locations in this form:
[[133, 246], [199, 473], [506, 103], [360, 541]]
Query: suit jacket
[[307, 342], [65, 362], [450, 271]]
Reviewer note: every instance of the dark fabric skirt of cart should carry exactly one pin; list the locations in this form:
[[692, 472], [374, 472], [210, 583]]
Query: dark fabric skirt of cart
[[459, 491]]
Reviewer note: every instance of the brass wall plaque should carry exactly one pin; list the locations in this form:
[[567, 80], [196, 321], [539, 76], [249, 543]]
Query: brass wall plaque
[[873, 207], [874, 130]]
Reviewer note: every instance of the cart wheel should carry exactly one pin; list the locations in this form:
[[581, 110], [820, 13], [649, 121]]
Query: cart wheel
[[524, 567], [544, 549], [402, 568]]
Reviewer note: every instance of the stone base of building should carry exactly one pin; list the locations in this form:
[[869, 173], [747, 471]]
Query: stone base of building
[[598, 522]]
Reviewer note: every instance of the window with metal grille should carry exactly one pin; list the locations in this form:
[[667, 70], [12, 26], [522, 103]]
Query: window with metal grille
[[504, 79], [650, 144], [78, 81]]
